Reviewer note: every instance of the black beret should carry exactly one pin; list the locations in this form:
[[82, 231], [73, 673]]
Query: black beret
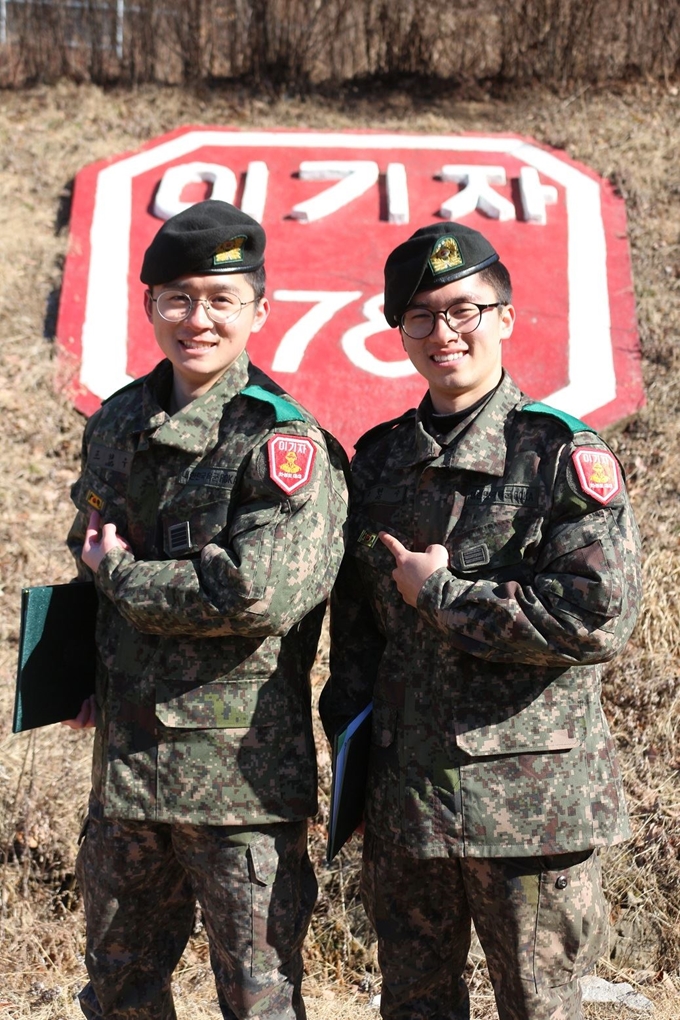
[[209, 237], [434, 255]]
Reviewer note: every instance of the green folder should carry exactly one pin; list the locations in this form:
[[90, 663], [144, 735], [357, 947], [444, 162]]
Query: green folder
[[57, 653], [351, 750]]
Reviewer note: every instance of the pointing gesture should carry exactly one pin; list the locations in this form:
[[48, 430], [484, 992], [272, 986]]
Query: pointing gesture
[[413, 568], [99, 540]]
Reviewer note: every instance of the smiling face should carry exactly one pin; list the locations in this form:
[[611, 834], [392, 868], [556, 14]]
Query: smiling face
[[199, 349], [460, 368]]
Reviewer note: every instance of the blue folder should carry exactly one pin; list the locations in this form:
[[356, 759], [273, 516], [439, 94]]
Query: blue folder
[[351, 749]]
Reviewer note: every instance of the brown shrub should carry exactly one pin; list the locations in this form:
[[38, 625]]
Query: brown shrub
[[294, 44]]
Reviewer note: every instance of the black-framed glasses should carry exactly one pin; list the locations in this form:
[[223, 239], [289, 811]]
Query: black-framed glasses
[[418, 322], [222, 307]]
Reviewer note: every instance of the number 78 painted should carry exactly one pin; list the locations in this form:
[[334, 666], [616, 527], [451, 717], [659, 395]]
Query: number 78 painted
[[333, 206]]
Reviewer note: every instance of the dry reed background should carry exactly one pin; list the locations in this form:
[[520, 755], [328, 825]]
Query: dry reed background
[[628, 133], [299, 44]]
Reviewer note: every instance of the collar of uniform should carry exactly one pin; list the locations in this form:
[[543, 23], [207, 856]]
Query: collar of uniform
[[426, 446], [155, 392], [410, 444], [483, 446], [187, 429]]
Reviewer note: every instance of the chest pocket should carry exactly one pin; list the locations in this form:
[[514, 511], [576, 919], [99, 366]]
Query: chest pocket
[[194, 519], [364, 544], [105, 492], [386, 502], [494, 537], [553, 721]]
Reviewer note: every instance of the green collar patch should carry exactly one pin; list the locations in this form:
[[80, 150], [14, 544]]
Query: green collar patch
[[283, 409], [572, 423], [445, 256]]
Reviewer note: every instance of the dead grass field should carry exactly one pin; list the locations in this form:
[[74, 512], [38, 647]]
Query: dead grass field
[[630, 134]]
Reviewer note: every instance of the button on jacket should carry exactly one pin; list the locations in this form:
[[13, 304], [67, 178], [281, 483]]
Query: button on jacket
[[207, 630], [488, 737]]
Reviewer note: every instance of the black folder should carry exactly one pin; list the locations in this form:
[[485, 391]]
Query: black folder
[[351, 749], [57, 653]]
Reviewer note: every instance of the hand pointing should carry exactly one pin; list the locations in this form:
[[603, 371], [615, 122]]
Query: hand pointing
[[100, 540], [413, 568]]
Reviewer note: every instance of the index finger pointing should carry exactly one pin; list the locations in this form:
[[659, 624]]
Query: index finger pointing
[[94, 521], [392, 543]]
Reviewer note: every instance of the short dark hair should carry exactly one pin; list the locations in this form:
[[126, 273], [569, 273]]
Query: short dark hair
[[498, 278], [258, 281]]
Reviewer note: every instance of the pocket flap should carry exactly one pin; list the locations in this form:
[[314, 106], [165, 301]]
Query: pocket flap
[[263, 861], [203, 523], [216, 705], [552, 722], [91, 492]]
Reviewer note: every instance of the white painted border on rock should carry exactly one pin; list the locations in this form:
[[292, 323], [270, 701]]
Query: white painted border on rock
[[592, 380]]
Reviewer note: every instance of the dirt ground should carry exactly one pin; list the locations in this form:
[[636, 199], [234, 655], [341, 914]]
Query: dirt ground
[[629, 134]]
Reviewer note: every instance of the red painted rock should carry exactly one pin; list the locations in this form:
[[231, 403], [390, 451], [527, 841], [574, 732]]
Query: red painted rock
[[334, 205]]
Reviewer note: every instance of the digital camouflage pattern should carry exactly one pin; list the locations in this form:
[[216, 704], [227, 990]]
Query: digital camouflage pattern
[[488, 734], [207, 630], [257, 891], [542, 923]]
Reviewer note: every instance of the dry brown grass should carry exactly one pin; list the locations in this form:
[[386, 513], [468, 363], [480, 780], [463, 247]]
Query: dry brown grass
[[629, 134]]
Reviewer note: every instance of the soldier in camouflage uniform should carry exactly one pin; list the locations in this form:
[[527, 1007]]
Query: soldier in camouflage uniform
[[210, 514], [492, 567]]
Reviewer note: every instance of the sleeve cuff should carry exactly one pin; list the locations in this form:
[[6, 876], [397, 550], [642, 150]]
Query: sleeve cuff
[[431, 596], [109, 567]]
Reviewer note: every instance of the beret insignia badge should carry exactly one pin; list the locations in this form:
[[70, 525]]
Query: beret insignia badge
[[597, 472], [445, 255], [229, 251]]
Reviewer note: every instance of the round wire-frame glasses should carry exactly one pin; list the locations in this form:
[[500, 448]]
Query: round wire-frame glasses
[[419, 322], [175, 306]]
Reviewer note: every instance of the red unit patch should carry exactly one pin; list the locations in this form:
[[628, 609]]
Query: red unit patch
[[598, 472], [290, 461]]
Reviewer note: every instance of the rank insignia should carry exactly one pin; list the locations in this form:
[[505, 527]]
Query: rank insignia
[[367, 538], [598, 473], [178, 538], [95, 501], [229, 251], [290, 461], [445, 255]]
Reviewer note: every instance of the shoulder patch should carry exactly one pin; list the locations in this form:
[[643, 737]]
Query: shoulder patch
[[598, 473], [128, 386], [284, 410], [382, 429], [573, 424], [291, 459]]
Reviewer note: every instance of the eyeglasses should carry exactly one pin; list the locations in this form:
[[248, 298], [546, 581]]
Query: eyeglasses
[[175, 306], [417, 323]]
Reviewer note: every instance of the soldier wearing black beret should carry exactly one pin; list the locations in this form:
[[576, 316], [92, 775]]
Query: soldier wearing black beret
[[437, 254], [492, 567], [210, 238], [210, 514]]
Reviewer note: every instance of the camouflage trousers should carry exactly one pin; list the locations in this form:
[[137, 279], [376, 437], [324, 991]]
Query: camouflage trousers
[[541, 921], [140, 883]]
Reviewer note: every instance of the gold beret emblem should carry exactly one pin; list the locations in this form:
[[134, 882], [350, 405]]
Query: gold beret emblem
[[229, 251], [445, 255]]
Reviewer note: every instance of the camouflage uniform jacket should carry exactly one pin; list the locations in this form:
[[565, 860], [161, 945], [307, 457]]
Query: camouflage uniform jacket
[[488, 738], [207, 631]]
